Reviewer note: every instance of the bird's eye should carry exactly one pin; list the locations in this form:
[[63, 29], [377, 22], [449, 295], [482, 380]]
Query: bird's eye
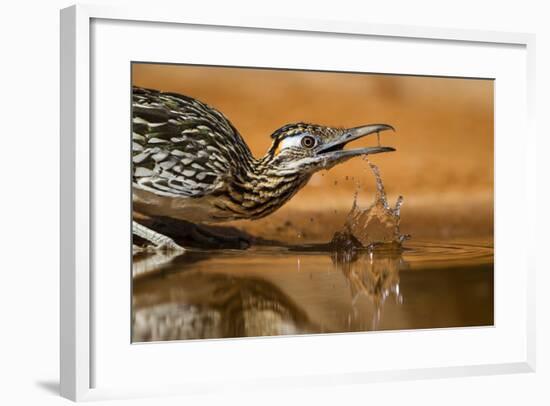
[[308, 141]]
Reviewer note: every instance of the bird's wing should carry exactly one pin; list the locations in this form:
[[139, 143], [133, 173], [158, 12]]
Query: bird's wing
[[181, 147]]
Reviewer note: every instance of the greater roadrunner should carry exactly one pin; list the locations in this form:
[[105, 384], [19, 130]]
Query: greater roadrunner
[[190, 163]]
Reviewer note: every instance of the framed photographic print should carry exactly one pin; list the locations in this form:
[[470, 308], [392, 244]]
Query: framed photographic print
[[265, 215]]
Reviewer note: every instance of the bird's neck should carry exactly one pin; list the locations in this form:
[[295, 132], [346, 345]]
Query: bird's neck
[[260, 188]]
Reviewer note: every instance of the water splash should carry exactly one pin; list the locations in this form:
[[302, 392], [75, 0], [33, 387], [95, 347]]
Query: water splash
[[368, 250], [374, 226]]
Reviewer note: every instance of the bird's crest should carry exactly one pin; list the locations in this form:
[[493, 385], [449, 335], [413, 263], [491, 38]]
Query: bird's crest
[[293, 129]]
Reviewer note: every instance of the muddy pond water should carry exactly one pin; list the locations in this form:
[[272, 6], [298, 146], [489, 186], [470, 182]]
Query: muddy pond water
[[302, 290]]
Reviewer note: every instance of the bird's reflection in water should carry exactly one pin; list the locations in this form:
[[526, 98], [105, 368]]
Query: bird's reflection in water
[[372, 273], [182, 297], [195, 304]]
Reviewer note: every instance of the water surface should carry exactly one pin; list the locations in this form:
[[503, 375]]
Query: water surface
[[312, 289]]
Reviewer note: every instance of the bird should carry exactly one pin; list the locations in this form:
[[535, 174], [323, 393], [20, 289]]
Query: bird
[[190, 163]]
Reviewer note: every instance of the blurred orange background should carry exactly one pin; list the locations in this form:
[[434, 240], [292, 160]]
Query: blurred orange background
[[443, 165]]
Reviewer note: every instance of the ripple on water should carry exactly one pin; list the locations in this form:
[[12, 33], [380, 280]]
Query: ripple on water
[[448, 253]]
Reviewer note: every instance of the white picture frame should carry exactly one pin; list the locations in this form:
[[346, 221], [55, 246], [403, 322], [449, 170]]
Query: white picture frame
[[78, 351]]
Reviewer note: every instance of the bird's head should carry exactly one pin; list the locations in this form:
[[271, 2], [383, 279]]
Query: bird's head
[[308, 148]]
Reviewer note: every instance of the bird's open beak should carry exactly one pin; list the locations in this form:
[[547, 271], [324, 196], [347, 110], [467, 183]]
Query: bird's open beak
[[333, 152]]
